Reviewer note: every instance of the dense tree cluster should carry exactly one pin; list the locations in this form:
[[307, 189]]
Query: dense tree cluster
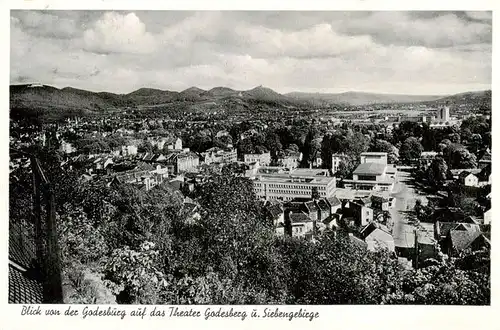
[[125, 245]]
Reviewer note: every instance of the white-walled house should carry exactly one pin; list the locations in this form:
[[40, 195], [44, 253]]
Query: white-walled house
[[468, 179]]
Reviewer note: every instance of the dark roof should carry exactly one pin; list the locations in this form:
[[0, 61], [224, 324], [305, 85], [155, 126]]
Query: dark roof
[[462, 239], [370, 168], [358, 242], [322, 205], [464, 174], [367, 230], [275, 210], [449, 214], [21, 245], [330, 219], [364, 200], [380, 199], [333, 201], [299, 217], [486, 158], [311, 206], [23, 288], [445, 227], [485, 173]]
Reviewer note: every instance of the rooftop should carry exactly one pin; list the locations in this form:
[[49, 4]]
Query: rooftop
[[461, 239], [280, 178], [299, 217], [374, 154], [370, 169]]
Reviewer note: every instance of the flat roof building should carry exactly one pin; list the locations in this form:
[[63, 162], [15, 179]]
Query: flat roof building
[[373, 173], [287, 188]]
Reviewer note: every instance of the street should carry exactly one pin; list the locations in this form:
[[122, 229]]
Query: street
[[406, 196]]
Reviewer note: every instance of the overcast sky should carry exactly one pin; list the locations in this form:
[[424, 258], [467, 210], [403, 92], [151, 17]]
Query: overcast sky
[[388, 52]]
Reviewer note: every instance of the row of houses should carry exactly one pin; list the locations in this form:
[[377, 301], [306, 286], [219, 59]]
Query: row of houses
[[307, 218]]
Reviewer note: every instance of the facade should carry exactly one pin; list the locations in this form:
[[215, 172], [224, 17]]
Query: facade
[[182, 162], [262, 159], [362, 213], [276, 214], [334, 203], [289, 187], [129, 150], [301, 224], [468, 179], [380, 202], [291, 160], [144, 179], [336, 160], [487, 217], [374, 157], [373, 173], [371, 176], [377, 238], [217, 155], [443, 114]]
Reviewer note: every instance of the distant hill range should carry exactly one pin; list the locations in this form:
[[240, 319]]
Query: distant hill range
[[42, 97], [362, 98]]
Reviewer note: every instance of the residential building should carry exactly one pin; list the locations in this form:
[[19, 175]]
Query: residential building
[[144, 179], [280, 229], [377, 237], [300, 224], [169, 143], [487, 217], [442, 229], [336, 160], [361, 212], [291, 160], [129, 150], [456, 172], [275, 213], [468, 179], [218, 155], [263, 159], [311, 209], [324, 209], [182, 162], [334, 203], [458, 241], [317, 161], [485, 160], [380, 202]]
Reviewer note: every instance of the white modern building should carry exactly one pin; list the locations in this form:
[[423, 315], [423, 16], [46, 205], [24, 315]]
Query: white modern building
[[288, 188], [373, 173]]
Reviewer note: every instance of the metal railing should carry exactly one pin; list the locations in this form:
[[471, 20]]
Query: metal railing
[[38, 231]]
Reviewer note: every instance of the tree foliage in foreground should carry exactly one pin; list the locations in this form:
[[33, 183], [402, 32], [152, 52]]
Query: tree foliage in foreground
[[141, 247]]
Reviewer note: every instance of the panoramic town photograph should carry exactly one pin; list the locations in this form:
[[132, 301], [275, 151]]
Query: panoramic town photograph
[[250, 157]]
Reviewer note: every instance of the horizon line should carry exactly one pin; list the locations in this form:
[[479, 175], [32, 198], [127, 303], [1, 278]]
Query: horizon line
[[262, 86]]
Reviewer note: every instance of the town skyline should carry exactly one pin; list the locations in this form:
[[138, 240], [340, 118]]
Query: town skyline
[[318, 52]]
